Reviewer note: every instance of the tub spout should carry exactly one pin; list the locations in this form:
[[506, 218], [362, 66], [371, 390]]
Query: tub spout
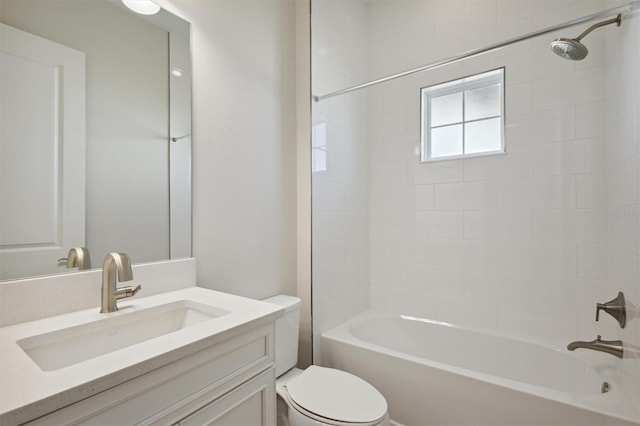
[[613, 347]]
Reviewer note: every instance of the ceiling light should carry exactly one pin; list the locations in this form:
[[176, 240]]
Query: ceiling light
[[143, 7]]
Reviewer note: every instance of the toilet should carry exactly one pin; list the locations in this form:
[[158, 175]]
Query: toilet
[[319, 396]]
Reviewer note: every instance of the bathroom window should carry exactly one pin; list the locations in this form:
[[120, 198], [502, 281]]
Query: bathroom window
[[463, 118]]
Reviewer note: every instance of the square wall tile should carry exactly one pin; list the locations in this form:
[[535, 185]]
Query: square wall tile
[[435, 172], [545, 325], [475, 313], [498, 286], [591, 190], [467, 195], [436, 279], [541, 192], [438, 224], [556, 259], [423, 196], [569, 293], [540, 127], [589, 122], [592, 261]]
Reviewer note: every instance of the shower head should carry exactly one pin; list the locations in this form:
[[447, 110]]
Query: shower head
[[572, 48], [569, 48]]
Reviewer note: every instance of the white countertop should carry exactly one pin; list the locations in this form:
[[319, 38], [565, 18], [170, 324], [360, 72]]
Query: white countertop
[[27, 392]]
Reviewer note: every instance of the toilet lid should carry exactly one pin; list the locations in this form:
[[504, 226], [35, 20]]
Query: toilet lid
[[337, 395]]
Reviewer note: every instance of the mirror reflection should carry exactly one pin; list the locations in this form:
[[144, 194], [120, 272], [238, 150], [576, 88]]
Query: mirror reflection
[[95, 140]]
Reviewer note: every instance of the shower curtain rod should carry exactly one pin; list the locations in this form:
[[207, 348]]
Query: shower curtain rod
[[630, 7]]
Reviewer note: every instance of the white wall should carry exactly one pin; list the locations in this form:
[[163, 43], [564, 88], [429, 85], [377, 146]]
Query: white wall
[[244, 150], [125, 160], [340, 219]]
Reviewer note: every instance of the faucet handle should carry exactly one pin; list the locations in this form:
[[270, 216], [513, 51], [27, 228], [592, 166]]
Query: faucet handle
[[616, 308], [124, 292]]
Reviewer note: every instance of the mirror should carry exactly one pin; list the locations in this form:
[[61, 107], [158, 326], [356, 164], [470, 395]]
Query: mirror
[[95, 134]]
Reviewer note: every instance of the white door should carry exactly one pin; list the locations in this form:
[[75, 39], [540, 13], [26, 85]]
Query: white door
[[42, 153]]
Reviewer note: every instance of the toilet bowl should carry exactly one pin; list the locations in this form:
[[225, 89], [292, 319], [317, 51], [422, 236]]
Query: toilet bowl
[[319, 396]]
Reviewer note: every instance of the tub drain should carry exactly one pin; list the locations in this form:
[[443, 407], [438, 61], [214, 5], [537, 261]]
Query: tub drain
[[605, 387]]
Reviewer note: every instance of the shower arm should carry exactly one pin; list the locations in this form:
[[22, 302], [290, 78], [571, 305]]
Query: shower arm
[[630, 7], [617, 19]]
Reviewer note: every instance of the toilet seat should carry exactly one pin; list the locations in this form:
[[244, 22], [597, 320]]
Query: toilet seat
[[336, 397]]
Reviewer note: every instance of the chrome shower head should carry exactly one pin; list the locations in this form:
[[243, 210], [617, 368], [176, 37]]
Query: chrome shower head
[[569, 48], [572, 48]]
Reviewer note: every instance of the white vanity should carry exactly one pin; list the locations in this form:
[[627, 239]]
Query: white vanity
[[189, 356], [176, 353]]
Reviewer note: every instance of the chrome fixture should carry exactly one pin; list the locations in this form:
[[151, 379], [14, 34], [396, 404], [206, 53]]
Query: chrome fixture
[[606, 387], [572, 48], [116, 266], [613, 347], [78, 257], [616, 308]]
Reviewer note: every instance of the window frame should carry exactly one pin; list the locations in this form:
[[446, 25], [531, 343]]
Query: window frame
[[460, 85]]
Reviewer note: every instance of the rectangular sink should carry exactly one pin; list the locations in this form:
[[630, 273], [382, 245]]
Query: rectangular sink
[[62, 348]]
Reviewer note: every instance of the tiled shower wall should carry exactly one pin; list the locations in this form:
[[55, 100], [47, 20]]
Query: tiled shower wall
[[524, 243], [514, 242], [340, 189]]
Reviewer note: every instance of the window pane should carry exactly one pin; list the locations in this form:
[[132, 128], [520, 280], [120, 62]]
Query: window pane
[[446, 141], [482, 136], [446, 109], [482, 102]]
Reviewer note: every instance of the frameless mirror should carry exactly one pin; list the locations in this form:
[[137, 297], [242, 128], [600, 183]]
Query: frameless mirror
[[95, 134]]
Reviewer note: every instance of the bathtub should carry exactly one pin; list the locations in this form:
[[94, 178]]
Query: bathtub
[[433, 373]]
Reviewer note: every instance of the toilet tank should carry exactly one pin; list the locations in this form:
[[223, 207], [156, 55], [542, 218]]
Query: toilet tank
[[286, 332]]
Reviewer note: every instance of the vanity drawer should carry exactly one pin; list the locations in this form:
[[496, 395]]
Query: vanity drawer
[[253, 403], [180, 387]]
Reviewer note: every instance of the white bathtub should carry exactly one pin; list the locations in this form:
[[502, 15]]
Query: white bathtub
[[436, 374]]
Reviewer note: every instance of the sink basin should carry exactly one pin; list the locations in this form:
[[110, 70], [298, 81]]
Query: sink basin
[[61, 348]]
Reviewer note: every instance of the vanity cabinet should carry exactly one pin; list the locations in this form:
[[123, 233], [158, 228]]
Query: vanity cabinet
[[229, 383], [249, 404]]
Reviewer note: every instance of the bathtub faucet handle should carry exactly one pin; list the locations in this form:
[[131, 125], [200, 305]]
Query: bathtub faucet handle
[[616, 308]]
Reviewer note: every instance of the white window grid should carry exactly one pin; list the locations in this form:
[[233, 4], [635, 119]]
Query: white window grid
[[488, 78]]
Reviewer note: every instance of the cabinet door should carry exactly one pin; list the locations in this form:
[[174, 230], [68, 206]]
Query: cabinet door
[[252, 404]]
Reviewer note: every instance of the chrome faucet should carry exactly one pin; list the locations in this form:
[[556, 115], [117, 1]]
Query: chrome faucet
[[78, 257], [613, 347], [116, 266]]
